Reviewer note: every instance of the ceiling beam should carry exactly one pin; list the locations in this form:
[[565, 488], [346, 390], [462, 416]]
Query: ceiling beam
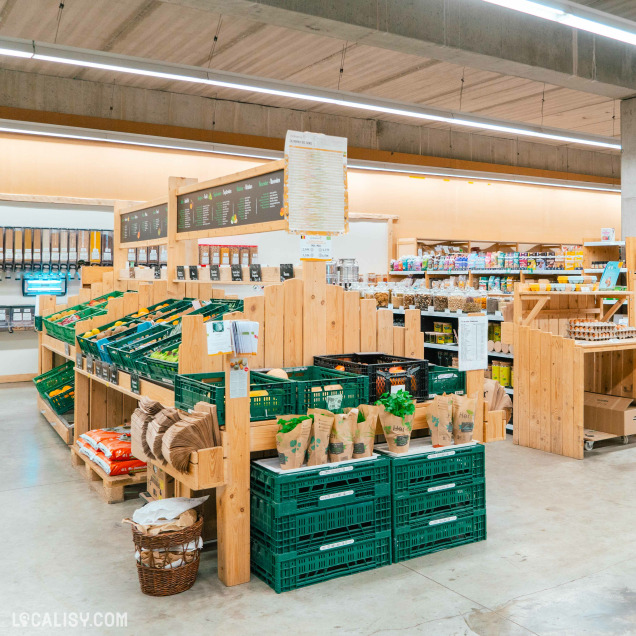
[[464, 32]]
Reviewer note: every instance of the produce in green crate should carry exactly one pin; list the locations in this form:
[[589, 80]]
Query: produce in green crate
[[292, 439], [397, 411]]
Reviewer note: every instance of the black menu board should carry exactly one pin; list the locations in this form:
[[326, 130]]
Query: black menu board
[[144, 225], [245, 202]]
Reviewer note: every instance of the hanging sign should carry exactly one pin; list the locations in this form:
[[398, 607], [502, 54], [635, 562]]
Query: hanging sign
[[473, 343], [316, 196]]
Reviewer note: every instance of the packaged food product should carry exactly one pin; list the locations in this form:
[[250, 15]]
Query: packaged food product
[[123, 467], [116, 448], [463, 418], [98, 435], [204, 254], [365, 429], [440, 412], [341, 438], [235, 255], [215, 254], [95, 247], [225, 255], [245, 255], [318, 448]]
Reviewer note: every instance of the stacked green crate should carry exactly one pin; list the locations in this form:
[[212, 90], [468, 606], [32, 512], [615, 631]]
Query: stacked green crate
[[57, 386], [439, 499], [318, 523]]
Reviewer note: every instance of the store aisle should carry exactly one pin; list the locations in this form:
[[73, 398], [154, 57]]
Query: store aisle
[[559, 558]]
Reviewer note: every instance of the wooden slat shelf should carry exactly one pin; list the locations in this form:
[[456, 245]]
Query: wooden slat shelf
[[57, 346], [63, 428], [606, 345]]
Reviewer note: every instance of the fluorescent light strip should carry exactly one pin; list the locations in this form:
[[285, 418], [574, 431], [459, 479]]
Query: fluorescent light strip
[[573, 15], [87, 134], [174, 72]]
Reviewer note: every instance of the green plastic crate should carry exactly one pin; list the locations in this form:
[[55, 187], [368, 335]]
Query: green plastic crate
[[355, 388], [155, 369], [66, 333], [291, 571], [56, 377], [38, 323], [89, 345], [438, 534], [445, 380], [325, 486], [414, 473], [415, 509], [125, 350], [63, 402], [307, 531], [210, 387]]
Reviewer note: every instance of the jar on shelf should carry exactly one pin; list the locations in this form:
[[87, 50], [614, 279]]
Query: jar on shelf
[[397, 297], [423, 300], [382, 295], [440, 301], [456, 300], [472, 301], [409, 299]]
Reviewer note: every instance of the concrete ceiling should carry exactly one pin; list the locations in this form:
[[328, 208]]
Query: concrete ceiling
[[180, 31]]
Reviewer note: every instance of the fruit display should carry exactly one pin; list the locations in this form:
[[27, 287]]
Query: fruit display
[[166, 356]]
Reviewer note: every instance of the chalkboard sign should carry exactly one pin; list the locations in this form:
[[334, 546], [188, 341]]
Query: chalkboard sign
[[144, 225], [181, 272], [215, 272], [286, 271], [255, 273], [237, 272], [194, 272], [244, 202]]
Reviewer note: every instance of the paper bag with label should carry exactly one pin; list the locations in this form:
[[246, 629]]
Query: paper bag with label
[[364, 434], [433, 422], [397, 430], [292, 439], [319, 439], [341, 438], [463, 418], [443, 405]]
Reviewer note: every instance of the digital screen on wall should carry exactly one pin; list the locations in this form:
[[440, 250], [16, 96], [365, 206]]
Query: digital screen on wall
[[144, 225], [245, 202]]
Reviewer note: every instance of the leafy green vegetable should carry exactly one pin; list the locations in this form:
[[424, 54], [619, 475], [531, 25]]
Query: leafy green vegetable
[[360, 417], [286, 426], [400, 404]]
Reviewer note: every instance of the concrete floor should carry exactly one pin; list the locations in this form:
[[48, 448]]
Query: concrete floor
[[559, 558]]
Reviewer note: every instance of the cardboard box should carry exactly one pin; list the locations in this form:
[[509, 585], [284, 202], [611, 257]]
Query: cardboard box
[[609, 414], [160, 484]]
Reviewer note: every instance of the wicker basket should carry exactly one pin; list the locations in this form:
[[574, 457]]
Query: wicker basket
[[156, 581]]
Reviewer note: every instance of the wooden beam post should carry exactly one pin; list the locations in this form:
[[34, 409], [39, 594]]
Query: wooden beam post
[[315, 310]]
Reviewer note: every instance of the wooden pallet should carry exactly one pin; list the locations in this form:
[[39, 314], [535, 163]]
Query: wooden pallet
[[111, 489]]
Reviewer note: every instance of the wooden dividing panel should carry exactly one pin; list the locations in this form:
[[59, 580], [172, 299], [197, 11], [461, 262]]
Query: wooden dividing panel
[[293, 323], [412, 326], [254, 309], [274, 325], [335, 319], [545, 431], [368, 325], [315, 310], [385, 331], [145, 295], [556, 395], [398, 341], [351, 336]]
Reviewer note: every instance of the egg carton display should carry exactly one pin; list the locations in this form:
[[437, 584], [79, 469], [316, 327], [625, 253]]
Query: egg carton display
[[595, 330]]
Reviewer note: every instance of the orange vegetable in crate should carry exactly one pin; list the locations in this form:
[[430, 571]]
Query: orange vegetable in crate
[[55, 392], [340, 367], [396, 370]]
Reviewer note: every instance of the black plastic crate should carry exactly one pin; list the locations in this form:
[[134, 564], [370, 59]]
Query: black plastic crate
[[325, 486], [414, 473], [377, 367], [438, 534], [307, 531], [291, 571]]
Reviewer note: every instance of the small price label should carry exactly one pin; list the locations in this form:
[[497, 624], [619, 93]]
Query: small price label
[[79, 361], [256, 274], [180, 272], [113, 374], [194, 272], [215, 272], [286, 271], [98, 368], [90, 364], [237, 272], [134, 382], [67, 349]]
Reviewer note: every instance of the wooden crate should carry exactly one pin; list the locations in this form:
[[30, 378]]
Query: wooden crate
[[111, 489], [495, 426]]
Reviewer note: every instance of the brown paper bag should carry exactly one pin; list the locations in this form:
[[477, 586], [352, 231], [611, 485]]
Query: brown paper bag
[[463, 418], [341, 438], [432, 420], [320, 433], [397, 431], [445, 419], [292, 444], [364, 432]]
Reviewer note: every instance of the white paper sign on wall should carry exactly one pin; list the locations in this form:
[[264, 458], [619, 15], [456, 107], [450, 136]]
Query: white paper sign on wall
[[316, 196], [473, 343]]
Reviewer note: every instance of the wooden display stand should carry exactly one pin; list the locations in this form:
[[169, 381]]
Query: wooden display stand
[[298, 319], [553, 372]]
